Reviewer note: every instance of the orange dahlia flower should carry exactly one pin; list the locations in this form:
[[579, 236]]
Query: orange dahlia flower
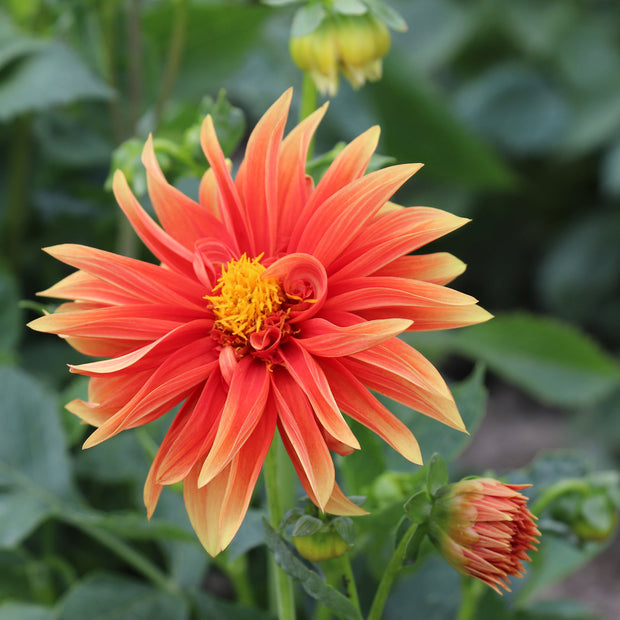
[[483, 529], [275, 304]]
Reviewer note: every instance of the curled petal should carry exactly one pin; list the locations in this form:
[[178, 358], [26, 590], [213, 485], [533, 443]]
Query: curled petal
[[303, 280]]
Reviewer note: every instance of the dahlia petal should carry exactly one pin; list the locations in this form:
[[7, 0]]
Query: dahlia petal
[[380, 291], [136, 322], [311, 379], [295, 269], [245, 403], [185, 449], [348, 166], [208, 195], [217, 509], [429, 318], [338, 503], [403, 374], [151, 283], [102, 347], [356, 401], [336, 221], [149, 355], [257, 177], [322, 338], [391, 236], [437, 268], [153, 488], [168, 250], [296, 420], [179, 215], [293, 187], [82, 286], [231, 208], [167, 386]]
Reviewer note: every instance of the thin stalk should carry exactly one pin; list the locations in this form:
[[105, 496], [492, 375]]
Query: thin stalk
[[18, 175], [338, 573], [413, 536], [472, 590], [174, 55], [556, 490], [283, 587], [309, 98], [134, 559]]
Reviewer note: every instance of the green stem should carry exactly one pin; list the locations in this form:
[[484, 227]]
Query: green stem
[[174, 55], [283, 587], [136, 560], [237, 570], [309, 96], [338, 573], [17, 192], [413, 536], [472, 590], [569, 485]]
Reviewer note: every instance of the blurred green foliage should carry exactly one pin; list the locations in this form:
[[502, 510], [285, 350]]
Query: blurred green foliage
[[514, 107]]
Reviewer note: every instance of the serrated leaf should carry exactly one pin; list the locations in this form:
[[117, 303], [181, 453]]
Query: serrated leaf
[[550, 360], [53, 76], [388, 15], [346, 528], [311, 581], [307, 19]]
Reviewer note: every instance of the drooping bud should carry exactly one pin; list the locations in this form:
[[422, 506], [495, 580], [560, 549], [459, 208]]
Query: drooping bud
[[353, 45], [483, 528]]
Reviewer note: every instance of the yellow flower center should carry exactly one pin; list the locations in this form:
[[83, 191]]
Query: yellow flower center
[[245, 299]]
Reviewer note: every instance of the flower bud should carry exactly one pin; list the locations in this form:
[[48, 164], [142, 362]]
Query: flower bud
[[351, 44], [483, 528]]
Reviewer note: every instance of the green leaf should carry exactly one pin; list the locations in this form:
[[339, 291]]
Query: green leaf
[[250, 534], [25, 611], [312, 582], [362, 467], [218, 35], [10, 313], [388, 15], [555, 610], [13, 43], [418, 507], [516, 108], [434, 135], [109, 597], [34, 464], [307, 19], [214, 609], [53, 76], [437, 475], [550, 360]]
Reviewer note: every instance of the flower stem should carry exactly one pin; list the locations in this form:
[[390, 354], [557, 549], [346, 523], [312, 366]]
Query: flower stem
[[413, 537], [472, 590], [174, 55], [283, 587], [309, 96], [556, 490], [136, 560], [338, 573]]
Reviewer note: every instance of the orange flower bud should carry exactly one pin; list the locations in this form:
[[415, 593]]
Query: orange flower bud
[[483, 528]]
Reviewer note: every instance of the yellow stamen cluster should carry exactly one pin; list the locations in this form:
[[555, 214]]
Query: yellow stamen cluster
[[246, 300]]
